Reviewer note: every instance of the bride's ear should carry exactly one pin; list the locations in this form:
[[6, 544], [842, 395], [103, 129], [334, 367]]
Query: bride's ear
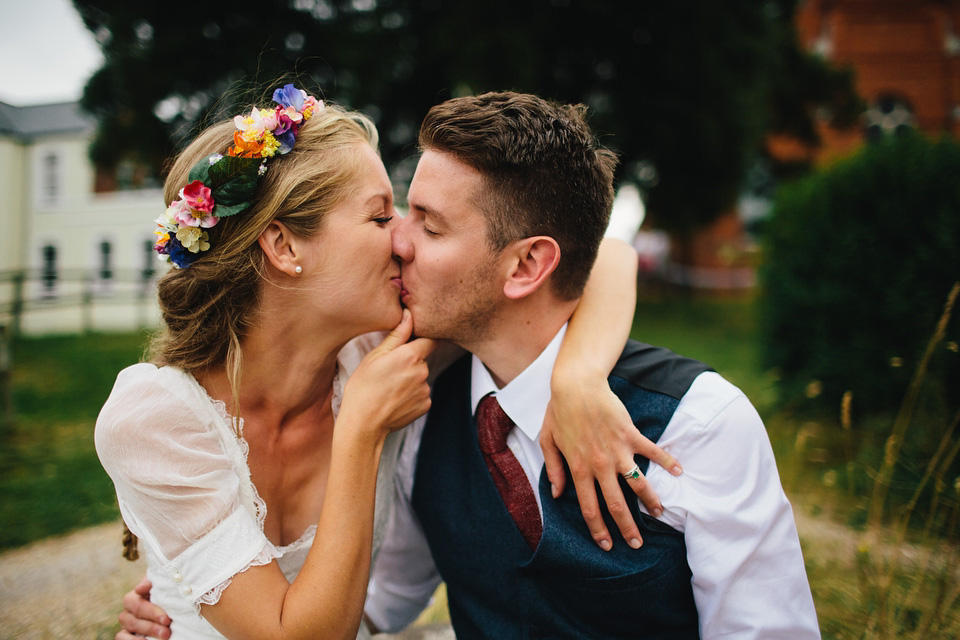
[[532, 261], [280, 247]]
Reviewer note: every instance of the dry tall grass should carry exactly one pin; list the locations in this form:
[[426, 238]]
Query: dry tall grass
[[910, 589]]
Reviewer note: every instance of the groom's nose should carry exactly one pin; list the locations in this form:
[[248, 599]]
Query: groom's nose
[[400, 239]]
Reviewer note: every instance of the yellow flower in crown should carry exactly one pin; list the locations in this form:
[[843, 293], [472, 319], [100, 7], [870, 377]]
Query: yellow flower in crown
[[193, 239]]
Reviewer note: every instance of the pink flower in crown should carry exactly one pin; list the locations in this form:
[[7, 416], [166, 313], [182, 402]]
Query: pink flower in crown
[[197, 196], [287, 119], [311, 104], [287, 116], [288, 125], [191, 218], [195, 206], [178, 213]]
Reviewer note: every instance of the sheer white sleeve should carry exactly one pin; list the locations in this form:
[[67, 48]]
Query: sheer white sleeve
[[173, 461]]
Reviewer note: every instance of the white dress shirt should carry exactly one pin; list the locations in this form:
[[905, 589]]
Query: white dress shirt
[[748, 579]]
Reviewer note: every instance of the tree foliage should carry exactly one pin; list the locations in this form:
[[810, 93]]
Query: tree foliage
[[859, 261], [684, 88]]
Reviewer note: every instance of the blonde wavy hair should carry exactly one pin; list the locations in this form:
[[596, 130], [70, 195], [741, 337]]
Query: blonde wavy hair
[[207, 308]]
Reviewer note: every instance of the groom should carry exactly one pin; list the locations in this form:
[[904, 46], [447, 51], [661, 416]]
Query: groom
[[507, 207]]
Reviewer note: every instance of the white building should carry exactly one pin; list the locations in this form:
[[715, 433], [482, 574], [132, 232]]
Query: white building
[[70, 259]]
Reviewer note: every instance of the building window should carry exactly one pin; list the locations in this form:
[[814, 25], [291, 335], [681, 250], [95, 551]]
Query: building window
[[48, 273], [50, 188], [889, 115], [106, 273], [149, 262], [103, 281], [126, 175]]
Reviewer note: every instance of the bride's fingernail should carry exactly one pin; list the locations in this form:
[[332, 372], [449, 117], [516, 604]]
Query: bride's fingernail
[[676, 469]]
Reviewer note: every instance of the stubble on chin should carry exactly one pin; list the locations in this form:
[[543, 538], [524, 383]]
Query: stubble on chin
[[464, 313]]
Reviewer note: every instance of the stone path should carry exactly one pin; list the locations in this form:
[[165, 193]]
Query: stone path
[[70, 587], [65, 587]]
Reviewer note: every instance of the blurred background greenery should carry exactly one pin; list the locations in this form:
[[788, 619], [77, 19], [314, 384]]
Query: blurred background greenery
[[685, 91], [847, 342]]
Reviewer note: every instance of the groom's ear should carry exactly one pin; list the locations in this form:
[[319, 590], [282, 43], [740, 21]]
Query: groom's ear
[[280, 247], [531, 262]]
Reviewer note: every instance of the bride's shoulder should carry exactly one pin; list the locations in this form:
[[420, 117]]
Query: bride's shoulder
[[144, 391], [146, 377]]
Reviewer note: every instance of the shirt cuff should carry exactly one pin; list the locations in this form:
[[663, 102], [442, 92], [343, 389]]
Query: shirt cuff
[[390, 611]]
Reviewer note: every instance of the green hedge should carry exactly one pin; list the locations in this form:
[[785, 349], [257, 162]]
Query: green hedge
[[858, 261]]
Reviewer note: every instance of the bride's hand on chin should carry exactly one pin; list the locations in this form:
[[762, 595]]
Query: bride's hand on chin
[[389, 389]]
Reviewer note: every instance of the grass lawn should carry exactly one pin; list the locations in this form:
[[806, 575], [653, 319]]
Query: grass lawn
[[828, 474], [721, 333], [50, 478]]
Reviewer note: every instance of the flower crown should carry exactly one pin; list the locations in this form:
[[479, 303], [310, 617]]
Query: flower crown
[[223, 185]]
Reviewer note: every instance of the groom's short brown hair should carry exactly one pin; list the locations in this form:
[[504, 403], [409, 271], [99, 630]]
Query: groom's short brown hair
[[544, 173]]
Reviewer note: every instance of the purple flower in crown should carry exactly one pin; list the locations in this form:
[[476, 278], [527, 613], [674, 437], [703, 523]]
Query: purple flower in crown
[[287, 128], [286, 141], [291, 104], [289, 96]]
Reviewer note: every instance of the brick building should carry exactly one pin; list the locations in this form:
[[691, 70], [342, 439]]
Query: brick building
[[906, 58], [905, 55]]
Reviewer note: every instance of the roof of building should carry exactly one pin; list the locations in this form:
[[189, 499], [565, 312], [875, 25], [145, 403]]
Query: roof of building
[[28, 123]]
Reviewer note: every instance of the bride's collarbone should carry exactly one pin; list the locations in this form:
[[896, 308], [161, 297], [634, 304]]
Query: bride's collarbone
[[292, 488]]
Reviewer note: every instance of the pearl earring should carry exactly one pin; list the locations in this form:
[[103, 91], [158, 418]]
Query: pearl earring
[[299, 269]]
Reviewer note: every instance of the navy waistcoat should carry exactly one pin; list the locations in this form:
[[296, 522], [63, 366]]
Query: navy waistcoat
[[569, 587]]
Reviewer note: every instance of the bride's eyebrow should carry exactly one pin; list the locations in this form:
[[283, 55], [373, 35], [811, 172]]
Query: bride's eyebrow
[[378, 199]]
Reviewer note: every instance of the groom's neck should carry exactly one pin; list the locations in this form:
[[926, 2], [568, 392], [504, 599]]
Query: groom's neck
[[520, 337]]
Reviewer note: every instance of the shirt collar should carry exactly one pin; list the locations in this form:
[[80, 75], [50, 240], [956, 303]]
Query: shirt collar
[[524, 399]]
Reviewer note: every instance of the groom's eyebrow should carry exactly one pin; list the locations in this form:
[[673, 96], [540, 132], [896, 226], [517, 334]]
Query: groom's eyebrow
[[434, 215]]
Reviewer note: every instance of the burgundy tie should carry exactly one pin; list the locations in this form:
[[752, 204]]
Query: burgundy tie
[[493, 425]]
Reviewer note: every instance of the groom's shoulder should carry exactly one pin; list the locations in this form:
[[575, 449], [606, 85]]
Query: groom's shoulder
[[657, 369]]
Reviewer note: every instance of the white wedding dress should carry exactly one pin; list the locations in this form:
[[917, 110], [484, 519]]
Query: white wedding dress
[[184, 487]]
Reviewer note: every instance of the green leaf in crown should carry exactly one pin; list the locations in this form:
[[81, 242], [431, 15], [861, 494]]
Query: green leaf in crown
[[233, 181]]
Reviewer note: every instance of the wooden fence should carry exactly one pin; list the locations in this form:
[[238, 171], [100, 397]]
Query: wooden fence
[[23, 292]]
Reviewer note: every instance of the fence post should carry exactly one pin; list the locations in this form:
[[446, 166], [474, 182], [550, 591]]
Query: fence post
[[86, 304], [6, 392], [17, 310]]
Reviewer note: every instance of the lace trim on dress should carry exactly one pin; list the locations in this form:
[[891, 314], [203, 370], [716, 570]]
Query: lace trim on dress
[[269, 551], [266, 556], [307, 534], [259, 506]]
